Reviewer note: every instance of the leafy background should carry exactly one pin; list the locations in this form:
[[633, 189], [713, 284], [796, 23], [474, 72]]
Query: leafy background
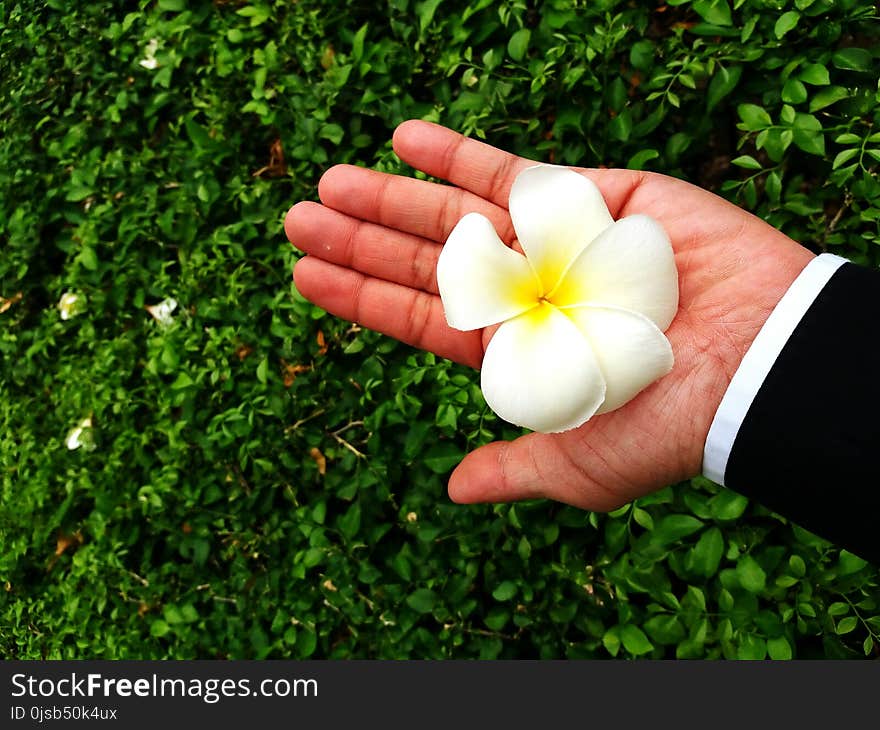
[[263, 480]]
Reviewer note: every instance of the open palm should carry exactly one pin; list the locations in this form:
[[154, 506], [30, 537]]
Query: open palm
[[372, 250]]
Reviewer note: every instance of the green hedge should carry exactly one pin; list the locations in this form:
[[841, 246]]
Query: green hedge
[[263, 480]]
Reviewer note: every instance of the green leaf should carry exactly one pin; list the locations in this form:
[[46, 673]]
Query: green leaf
[[716, 12], [805, 609], [773, 186], [611, 640], [263, 370], [76, 194], [642, 55], [753, 116], [794, 91], [665, 629], [807, 134], [723, 82], [357, 43], [159, 628], [519, 44], [306, 643], [707, 552], [182, 381], [88, 258], [635, 641], [746, 161], [638, 160], [524, 548], [694, 599], [749, 28], [843, 157], [838, 608], [505, 591], [422, 600], [197, 133], [850, 563], [852, 59], [674, 527], [728, 505], [621, 126], [172, 614], [827, 97], [172, 6], [643, 518], [846, 625], [779, 648], [443, 457], [751, 647], [785, 23], [350, 523], [815, 74], [332, 132], [257, 14], [751, 575], [426, 12], [497, 618]]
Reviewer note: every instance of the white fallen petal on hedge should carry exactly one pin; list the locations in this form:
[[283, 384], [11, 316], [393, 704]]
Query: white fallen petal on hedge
[[69, 305], [161, 312], [540, 372], [80, 436], [555, 212], [482, 281], [149, 61], [631, 351], [630, 265]]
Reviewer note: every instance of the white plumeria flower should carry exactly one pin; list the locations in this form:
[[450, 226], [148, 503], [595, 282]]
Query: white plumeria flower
[[80, 436], [69, 305], [583, 311], [161, 312]]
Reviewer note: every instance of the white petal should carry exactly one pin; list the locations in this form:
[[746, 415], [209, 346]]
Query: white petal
[[539, 372], [632, 352], [556, 212], [73, 441], [481, 280], [631, 265], [80, 435], [68, 305], [161, 312]]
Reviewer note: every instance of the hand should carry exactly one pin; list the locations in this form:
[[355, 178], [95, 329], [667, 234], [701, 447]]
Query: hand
[[372, 250]]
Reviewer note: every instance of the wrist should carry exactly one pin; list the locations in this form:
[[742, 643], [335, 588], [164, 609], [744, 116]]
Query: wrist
[[758, 359]]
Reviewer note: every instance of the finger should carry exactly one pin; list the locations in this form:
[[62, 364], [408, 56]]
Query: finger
[[484, 170], [366, 247], [418, 207], [411, 316], [532, 466], [489, 172]]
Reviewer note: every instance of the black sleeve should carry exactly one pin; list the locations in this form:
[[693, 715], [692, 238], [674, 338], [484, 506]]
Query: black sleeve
[[809, 446]]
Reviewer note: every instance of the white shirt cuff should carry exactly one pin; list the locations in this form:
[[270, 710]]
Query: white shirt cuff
[[758, 360]]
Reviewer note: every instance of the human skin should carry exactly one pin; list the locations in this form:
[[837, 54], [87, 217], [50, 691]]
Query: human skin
[[372, 246]]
